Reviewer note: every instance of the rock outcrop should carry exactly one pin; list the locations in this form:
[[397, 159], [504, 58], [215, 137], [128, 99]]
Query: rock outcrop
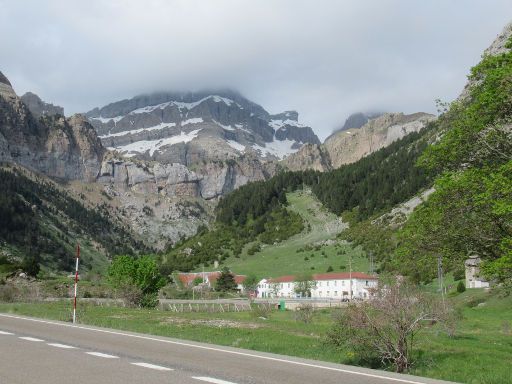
[[190, 128], [353, 144], [53, 145], [40, 108], [310, 156], [350, 145]]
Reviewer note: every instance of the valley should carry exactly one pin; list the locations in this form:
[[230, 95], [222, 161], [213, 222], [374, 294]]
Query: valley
[[177, 197]]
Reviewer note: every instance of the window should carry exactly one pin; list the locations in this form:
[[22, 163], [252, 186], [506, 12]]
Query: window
[[335, 293], [335, 282], [320, 293], [366, 282], [288, 285], [343, 283], [327, 283], [327, 293]]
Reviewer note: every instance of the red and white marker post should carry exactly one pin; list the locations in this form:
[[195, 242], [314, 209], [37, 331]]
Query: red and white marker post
[[76, 281]]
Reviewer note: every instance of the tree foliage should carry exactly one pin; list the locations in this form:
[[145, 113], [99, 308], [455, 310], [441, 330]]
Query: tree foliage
[[137, 278], [471, 209], [226, 281]]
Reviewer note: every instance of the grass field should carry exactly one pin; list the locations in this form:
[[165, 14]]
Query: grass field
[[290, 256], [481, 351]]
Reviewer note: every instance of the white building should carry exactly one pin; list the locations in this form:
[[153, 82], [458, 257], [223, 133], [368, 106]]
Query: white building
[[473, 279], [326, 285]]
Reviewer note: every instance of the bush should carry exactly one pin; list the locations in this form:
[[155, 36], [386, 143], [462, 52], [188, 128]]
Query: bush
[[261, 310], [330, 269], [138, 280], [305, 313], [461, 287], [8, 293]]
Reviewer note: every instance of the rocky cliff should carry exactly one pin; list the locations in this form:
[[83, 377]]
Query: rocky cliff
[[191, 128], [350, 145], [40, 108], [53, 145]]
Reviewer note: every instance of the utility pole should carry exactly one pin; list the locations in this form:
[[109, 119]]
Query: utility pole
[[440, 276], [76, 280], [350, 275]]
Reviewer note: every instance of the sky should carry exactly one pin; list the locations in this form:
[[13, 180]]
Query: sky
[[324, 58]]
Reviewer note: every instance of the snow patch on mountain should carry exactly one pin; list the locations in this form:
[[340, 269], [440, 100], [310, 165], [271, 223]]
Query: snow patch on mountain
[[155, 145], [135, 131], [105, 120], [277, 148], [183, 105], [276, 124], [195, 120], [236, 145]]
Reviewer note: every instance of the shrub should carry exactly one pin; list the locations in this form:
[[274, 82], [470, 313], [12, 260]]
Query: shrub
[[305, 313], [461, 287]]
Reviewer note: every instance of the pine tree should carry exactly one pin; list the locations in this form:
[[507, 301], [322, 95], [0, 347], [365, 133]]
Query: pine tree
[[226, 281]]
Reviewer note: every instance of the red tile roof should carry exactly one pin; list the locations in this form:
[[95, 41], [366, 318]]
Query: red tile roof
[[188, 278]]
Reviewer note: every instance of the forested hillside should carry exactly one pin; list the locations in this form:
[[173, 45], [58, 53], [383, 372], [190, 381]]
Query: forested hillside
[[41, 224], [471, 210], [257, 211]]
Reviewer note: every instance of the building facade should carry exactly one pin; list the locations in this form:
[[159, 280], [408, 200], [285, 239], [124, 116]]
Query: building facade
[[341, 286], [473, 279]]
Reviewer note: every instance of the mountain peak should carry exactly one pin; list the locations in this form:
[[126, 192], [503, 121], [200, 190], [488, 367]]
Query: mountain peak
[[38, 107], [6, 90], [4, 80]]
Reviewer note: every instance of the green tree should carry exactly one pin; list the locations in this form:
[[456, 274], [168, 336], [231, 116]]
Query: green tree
[[461, 287], [138, 279], [226, 281], [250, 283], [304, 284]]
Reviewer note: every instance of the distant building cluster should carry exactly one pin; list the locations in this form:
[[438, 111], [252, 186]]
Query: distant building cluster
[[208, 279], [342, 286], [335, 285]]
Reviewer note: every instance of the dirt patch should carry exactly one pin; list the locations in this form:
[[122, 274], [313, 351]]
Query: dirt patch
[[213, 323]]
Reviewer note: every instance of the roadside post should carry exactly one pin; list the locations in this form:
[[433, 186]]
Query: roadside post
[[76, 281]]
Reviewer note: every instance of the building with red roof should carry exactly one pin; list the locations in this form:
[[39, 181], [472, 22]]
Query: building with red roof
[[333, 285], [209, 278]]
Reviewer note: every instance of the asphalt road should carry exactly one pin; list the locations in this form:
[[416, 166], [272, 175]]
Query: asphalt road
[[40, 351]]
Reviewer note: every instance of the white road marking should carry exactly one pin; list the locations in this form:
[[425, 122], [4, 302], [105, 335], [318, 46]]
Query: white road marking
[[212, 380], [64, 346], [6, 333], [30, 339], [152, 366], [104, 355], [204, 347]]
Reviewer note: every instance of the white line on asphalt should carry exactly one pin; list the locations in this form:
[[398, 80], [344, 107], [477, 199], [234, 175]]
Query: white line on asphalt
[[152, 366], [6, 333], [99, 354], [30, 339], [376, 376], [212, 380], [64, 346]]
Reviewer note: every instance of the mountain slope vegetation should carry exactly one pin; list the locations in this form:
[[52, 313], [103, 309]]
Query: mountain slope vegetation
[[41, 224], [471, 210], [257, 212]]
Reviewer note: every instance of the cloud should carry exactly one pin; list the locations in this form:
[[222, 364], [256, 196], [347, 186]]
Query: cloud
[[324, 58]]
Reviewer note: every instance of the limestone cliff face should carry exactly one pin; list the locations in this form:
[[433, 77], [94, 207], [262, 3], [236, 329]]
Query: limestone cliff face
[[39, 108], [53, 145], [348, 146], [353, 144], [310, 156]]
